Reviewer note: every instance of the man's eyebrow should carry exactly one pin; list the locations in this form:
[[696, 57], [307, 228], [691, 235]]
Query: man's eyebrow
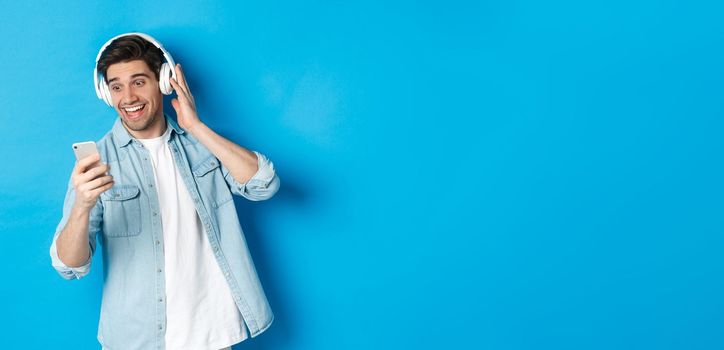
[[132, 76]]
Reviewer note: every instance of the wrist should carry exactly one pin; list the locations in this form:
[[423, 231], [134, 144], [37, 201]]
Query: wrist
[[196, 128], [81, 209]]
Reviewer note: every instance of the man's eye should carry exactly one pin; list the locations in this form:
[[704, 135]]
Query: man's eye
[[139, 82], [115, 88]]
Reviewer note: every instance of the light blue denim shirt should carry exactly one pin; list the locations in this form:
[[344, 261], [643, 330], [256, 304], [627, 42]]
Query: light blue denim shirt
[[127, 224]]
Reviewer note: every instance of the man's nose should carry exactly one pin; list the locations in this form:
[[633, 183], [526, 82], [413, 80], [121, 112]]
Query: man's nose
[[128, 96]]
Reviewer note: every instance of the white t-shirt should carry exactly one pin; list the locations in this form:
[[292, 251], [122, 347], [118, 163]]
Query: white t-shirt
[[200, 310]]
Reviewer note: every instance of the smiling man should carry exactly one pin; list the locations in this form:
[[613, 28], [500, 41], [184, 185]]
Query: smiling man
[[140, 103], [158, 199], [143, 109]]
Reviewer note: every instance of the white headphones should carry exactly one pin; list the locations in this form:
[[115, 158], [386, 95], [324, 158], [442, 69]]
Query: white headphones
[[164, 82]]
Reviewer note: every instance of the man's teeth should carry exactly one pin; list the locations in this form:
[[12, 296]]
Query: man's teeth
[[134, 108]]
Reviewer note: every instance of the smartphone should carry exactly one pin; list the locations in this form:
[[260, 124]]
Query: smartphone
[[84, 149]]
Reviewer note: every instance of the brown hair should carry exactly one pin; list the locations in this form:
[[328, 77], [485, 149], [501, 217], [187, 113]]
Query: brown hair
[[129, 48]]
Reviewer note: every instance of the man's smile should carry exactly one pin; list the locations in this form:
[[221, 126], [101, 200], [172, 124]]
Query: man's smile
[[134, 112]]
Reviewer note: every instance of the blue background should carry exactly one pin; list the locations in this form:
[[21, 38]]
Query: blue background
[[475, 175]]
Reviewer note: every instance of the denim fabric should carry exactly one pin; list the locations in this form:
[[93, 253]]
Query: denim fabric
[[126, 222]]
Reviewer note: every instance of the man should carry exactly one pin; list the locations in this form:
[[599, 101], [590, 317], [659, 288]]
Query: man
[[177, 270]]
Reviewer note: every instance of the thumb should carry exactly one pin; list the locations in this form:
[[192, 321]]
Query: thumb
[[175, 105]]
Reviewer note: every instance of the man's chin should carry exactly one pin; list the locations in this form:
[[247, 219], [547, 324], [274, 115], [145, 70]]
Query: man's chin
[[138, 124]]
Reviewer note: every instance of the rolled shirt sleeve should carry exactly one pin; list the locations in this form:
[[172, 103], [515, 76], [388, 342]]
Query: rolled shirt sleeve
[[65, 271], [94, 224], [263, 185]]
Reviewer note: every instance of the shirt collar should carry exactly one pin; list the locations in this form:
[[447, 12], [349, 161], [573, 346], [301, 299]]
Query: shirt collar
[[121, 135]]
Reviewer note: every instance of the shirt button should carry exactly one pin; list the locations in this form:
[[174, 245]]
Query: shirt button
[[159, 270], [158, 242], [154, 213], [160, 300], [160, 327], [150, 185]]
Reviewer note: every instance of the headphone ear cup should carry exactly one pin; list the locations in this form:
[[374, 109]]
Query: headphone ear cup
[[106, 93], [164, 79]]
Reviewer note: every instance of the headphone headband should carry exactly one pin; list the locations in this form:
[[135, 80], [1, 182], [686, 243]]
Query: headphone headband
[[166, 72]]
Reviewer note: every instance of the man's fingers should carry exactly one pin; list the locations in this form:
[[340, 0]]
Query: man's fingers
[[185, 84], [101, 181], [182, 78], [97, 192], [179, 89], [182, 92], [95, 171], [84, 163], [89, 189], [91, 174]]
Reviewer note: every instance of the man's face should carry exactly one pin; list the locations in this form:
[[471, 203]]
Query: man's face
[[135, 94]]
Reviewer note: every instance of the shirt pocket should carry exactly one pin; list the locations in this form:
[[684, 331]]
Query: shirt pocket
[[211, 182], [122, 211]]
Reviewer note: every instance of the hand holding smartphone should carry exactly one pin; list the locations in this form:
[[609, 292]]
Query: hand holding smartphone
[[89, 177]]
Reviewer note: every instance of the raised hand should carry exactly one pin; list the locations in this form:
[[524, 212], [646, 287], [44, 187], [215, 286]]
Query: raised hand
[[184, 103]]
